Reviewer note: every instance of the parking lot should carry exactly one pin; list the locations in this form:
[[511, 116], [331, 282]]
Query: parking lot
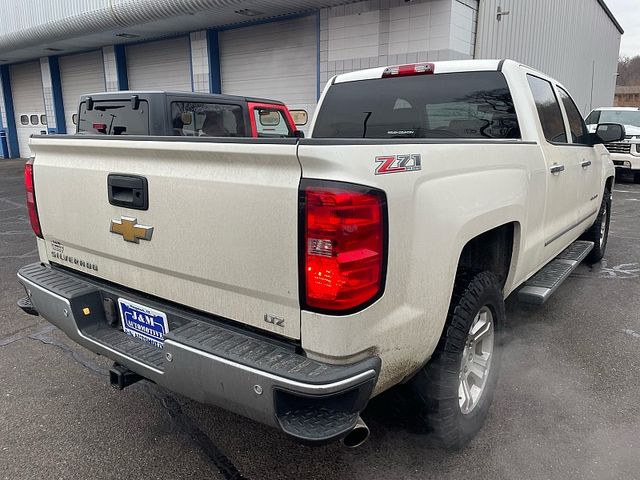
[[566, 407]]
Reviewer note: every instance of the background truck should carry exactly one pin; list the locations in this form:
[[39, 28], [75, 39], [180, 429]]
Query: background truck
[[182, 114], [290, 280], [625, 153]]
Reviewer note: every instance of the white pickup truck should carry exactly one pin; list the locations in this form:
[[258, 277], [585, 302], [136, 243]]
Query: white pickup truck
[[290, 280], [625, 154]]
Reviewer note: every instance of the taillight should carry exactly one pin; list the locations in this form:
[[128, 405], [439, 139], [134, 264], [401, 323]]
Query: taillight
[[31, 198], [407, 70], [343, 245]]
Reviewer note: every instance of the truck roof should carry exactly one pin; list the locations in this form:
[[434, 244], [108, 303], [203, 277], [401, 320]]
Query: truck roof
[[438, 67], [191, 95]]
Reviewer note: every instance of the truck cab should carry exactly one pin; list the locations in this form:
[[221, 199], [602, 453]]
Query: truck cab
[[183, 114]]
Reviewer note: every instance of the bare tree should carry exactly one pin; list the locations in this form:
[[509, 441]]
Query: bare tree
[[629, 71]]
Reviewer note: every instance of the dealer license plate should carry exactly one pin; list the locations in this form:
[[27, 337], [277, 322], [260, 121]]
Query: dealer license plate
[[143, 322]]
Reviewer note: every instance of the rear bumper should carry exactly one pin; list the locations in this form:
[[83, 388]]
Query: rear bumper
[[210, 361]]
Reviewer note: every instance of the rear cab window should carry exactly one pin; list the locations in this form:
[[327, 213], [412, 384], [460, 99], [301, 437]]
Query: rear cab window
[[113, 117], [202, 119], [471, 105]]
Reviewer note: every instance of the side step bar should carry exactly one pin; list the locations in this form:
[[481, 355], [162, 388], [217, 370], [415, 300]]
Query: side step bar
[[541, 286]]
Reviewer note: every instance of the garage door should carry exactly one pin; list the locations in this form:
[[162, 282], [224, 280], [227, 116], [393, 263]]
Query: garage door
[[275, 60], [28, 103], [80, 74], [163, 65]]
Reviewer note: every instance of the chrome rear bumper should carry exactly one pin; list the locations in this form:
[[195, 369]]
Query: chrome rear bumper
[[209, 360]]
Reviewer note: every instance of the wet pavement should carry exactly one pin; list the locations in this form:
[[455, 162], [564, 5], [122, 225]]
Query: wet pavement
[[566, 406]]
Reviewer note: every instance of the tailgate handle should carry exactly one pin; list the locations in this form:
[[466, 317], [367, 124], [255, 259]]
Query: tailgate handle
[[128, 191]]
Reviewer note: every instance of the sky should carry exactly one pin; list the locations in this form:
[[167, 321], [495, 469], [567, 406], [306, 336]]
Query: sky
[[627, 12]]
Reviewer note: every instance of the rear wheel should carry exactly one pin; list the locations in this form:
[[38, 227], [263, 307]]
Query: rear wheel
[[599, 231], [454, 390]]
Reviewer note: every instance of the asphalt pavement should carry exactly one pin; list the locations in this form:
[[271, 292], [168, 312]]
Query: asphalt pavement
[[567, 404]]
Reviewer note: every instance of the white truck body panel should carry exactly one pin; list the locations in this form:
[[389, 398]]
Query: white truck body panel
[[226, 221], [224, 218]]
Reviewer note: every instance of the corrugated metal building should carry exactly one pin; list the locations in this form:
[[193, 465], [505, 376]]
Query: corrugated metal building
[[52, 52]]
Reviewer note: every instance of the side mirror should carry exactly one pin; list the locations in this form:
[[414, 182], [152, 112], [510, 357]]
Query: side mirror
[[610, 132]]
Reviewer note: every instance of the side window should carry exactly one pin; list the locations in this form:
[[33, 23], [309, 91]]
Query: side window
[[24, 120], [207, 119], [548, 110], [579, 133], [34, 119], [270, 123], [593, 118]]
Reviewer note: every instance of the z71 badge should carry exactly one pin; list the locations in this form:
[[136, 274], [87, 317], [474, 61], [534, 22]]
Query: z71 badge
[[398, 163]]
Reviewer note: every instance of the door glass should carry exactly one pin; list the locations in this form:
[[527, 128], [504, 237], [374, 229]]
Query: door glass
[[548, 110], [579, 133], [270, 123]]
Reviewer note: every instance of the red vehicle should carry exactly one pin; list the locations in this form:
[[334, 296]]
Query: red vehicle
[[183, 114]]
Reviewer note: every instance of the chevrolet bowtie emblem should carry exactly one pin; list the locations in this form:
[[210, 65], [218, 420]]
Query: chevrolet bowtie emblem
[[130, 230]]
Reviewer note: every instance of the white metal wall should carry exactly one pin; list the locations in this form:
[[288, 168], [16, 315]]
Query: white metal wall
[[274, 60], [371, 34], [574, 41], [28, 99], [80, 74], [162, 65]]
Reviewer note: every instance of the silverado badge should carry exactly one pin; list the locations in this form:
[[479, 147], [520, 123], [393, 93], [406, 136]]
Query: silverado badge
[[130, 230]]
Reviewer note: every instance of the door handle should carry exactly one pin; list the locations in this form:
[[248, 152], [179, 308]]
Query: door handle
[[130, 191], [585, 163], [556, 169]]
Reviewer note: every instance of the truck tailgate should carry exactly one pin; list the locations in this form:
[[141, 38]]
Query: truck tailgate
[[224, 218]]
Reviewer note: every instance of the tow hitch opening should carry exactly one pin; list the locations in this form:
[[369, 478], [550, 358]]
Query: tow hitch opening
[[121, 377]]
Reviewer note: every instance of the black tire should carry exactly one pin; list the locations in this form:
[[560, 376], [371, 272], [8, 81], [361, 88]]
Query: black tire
[[636, 177], [596, 233], [435, 386]]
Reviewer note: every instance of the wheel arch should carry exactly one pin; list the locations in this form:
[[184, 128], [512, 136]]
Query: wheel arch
[[494, 250]]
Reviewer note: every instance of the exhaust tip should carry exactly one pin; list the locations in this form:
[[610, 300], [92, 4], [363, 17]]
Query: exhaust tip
[[357, 436]]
